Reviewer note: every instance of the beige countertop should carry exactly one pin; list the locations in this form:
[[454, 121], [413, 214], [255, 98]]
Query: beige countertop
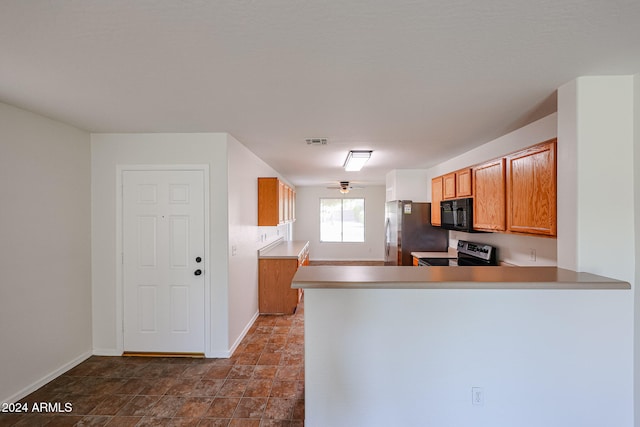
[[450, 253], [284, 249], [407, 277]]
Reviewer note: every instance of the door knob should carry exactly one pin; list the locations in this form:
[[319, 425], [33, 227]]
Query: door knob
[[197, 272], [198, 259]]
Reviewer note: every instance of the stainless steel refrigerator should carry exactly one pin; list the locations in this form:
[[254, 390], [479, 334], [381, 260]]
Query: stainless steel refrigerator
[[408, 229]]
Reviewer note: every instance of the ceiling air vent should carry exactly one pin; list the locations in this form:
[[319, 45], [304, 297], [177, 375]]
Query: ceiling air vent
[[316, 141]]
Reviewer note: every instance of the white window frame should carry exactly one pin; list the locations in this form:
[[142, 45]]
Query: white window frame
[[342, 199]]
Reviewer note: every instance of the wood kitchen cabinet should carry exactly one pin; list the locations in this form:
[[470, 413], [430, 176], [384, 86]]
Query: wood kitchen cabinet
[[276, 202], [463, 183], [436, 198], [513, 194], [489, 205], [275, 273], [282, 203], [531, 190], [291, 205], [457, 184], [449, 186]]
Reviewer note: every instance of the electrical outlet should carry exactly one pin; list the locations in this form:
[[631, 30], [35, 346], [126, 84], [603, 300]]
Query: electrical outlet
[[477, 396], [532, 254]]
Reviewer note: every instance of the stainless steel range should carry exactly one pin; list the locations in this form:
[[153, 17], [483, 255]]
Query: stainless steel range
[[469, 254]]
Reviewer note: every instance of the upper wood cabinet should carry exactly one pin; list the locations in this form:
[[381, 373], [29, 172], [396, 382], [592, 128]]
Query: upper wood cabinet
[[449, 186], [436, 198], [531, 190], [291, 204], [282, 201], [513, 194], [463, 183], [457, 184], [489, 203], [276, 202]]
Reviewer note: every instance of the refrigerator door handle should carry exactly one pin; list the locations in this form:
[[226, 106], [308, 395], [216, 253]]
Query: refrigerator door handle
[[387, 243]]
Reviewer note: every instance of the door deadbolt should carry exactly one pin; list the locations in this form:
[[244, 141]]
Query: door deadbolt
[[198, 259]]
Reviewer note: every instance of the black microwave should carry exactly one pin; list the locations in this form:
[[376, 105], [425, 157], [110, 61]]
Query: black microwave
[[457, 214]]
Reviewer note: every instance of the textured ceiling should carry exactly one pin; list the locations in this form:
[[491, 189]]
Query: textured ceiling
[[415, 81]]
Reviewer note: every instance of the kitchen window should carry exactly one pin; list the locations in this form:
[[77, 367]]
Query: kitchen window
[[342, 220]]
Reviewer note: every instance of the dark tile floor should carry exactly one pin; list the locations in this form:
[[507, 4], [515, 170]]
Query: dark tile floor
[[262, 385]]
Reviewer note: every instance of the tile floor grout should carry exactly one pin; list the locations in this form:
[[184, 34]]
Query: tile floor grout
[[261, 385]]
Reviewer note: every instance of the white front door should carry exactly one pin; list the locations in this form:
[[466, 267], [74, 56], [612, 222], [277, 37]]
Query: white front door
[[163, 266]]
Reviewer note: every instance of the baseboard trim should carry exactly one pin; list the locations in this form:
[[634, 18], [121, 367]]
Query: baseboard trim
[[157, 354], [218, 355], [214, 354], [244, 332], [228, 353], [47, 378], [106, 352]]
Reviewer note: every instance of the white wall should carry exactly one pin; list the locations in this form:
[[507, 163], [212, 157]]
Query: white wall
[[515, 250], [512, 248], [408, 184], [596, 129], [307, 225], [599, 126], [110, 150], [538, 131], [410, 358], [45, 251], [233, 228], [245, 237]]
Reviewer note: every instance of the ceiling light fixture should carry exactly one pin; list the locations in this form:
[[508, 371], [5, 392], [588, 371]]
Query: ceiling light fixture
[[356, 160]]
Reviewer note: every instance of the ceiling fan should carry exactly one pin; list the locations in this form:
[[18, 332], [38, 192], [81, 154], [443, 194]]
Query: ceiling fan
[[344, 187]]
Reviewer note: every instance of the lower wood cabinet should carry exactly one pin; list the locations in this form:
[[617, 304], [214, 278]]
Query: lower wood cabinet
[[275, 295]]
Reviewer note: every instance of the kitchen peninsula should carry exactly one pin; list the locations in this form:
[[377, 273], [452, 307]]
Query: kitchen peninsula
[[411, 346]]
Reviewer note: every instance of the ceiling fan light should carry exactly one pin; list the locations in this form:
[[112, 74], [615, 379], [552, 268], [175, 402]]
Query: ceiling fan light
[[344, 190], [356, 160]]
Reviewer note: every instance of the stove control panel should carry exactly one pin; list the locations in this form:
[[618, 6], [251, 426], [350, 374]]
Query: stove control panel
[[477, 250]]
